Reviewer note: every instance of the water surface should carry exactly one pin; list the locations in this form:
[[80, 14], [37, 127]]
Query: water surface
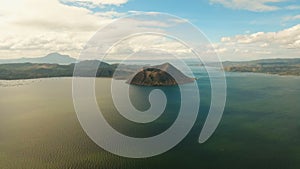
[[260, 127]]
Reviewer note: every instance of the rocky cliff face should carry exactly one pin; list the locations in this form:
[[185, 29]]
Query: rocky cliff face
[[158, 76]]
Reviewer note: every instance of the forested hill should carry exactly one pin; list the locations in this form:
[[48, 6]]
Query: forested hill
[[43, 70]]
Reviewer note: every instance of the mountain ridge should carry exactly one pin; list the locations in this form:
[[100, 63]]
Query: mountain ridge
[[51, 58]]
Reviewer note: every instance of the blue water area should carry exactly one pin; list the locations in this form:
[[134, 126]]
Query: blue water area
[[260, 127]]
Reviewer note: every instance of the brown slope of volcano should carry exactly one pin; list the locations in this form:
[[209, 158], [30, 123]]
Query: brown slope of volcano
[[158, 76]]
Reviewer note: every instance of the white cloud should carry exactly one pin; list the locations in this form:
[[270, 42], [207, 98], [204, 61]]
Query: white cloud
[[95, 3], [151, 45], [40, 27], [293, 7], [285, 38], [291, 18], [251, 5], [281, 44], [136, 35], [30, 28]]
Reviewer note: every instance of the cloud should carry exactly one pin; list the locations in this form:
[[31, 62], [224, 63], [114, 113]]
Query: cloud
[[250, 5], [150, 46], [281, 44], [30, 28], [291, 18], [136, 34], [95, 3], [293, 7], [36, 31]]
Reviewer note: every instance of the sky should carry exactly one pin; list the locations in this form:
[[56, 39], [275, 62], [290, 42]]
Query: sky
[[237, 29]]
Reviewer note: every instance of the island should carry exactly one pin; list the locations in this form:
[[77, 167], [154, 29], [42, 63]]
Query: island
[[159, 75]]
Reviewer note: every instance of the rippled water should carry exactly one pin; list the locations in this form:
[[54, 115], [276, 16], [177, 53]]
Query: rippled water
[[260, 127], [15, 83]]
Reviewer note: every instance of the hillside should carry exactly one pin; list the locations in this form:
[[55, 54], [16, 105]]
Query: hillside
[[41, 70], [16, 71], [159, 76]]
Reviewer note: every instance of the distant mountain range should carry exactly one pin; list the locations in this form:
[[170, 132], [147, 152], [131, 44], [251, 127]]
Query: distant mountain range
[[16, 71], [278, 61], [149, 76], [52, 58], [57, 65], [268, 66]]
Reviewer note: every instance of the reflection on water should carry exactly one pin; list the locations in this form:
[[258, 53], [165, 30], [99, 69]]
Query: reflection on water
[[15, 83], [259, 129], [139, 99]]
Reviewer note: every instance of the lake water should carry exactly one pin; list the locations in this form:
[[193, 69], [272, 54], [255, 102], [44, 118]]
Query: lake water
[[260, 127]]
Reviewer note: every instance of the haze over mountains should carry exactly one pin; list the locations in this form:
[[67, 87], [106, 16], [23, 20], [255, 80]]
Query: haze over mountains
[[57, 65], [52, 58]]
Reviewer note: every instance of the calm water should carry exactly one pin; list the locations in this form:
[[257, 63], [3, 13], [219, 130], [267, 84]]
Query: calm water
[[260, 127]]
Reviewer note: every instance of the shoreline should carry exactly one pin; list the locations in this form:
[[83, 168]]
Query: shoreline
[[60, 77], [262, 73]]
